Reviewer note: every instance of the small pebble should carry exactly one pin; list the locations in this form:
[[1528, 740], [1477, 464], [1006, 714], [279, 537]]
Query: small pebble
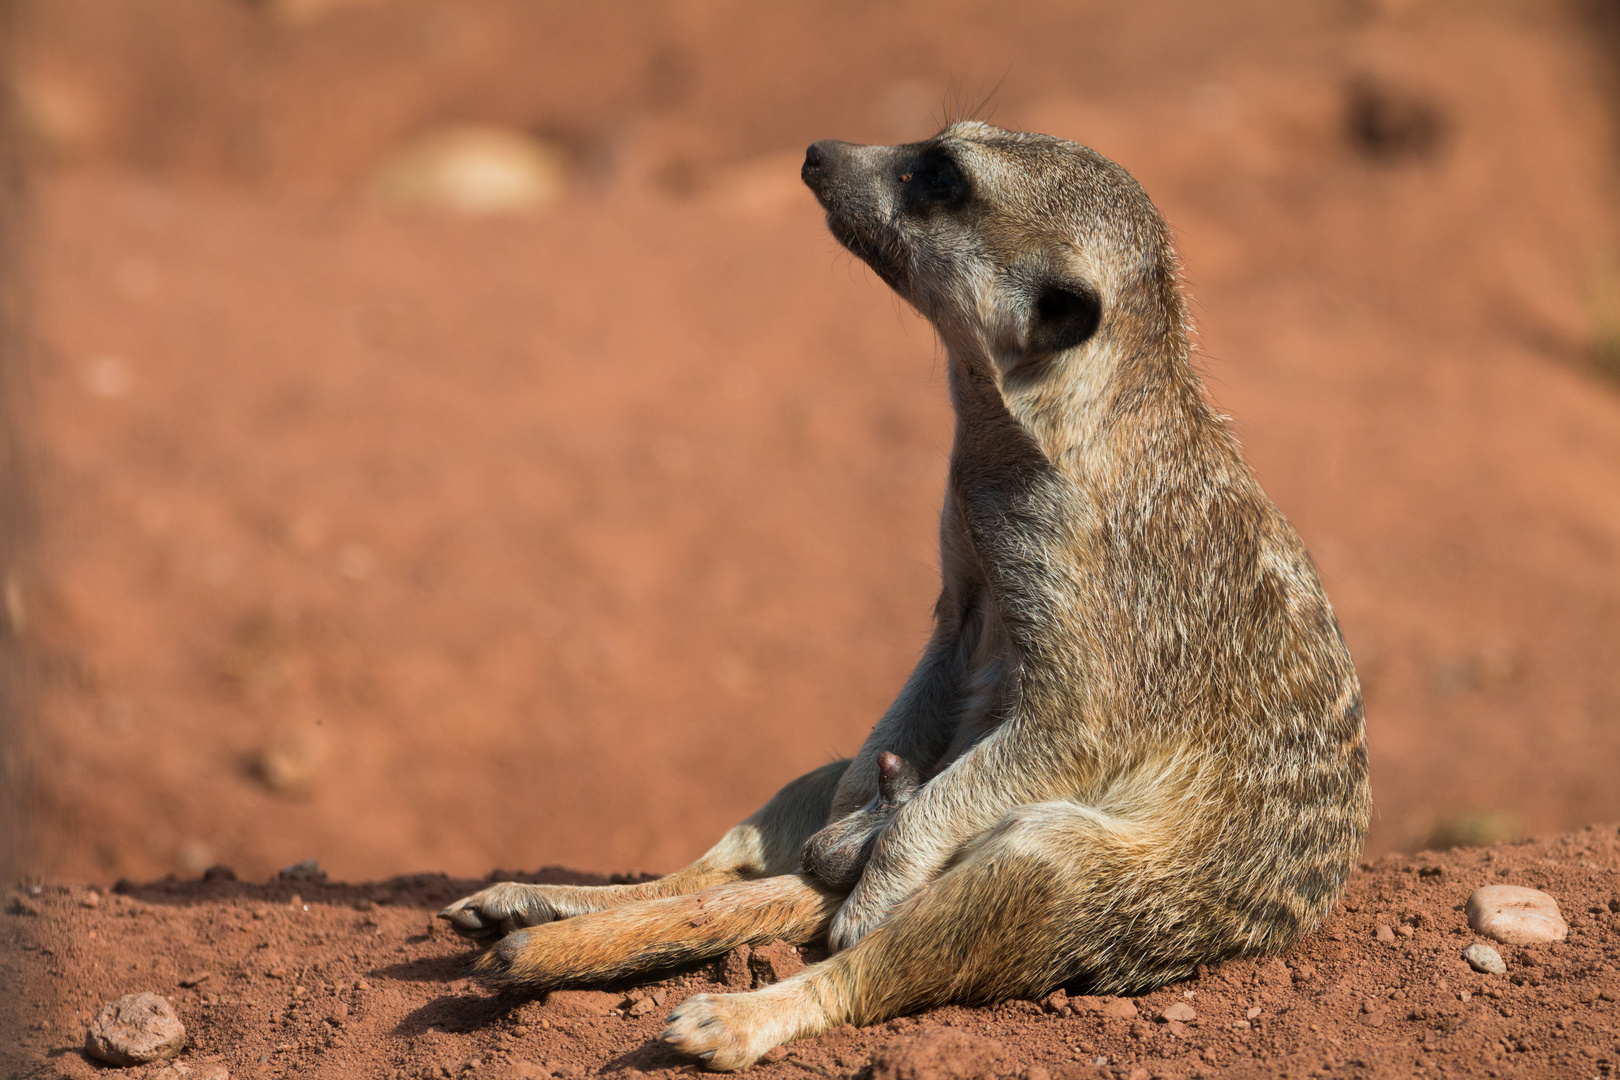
[[1385, 934], [1484, 959], [135, 1030], [303, 870], [1516, 915], [1180, 1011], [179, 1070], [1122, 1008]]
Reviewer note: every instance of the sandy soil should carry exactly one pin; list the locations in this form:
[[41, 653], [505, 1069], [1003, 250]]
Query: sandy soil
[[415, 542], [318, 979]]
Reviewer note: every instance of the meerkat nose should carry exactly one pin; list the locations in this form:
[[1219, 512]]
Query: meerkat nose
[[821, 163], [815, 160]]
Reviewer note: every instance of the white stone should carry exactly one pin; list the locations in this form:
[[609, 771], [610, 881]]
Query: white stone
[[1483, 958], [134, 1030], [1516, 915]]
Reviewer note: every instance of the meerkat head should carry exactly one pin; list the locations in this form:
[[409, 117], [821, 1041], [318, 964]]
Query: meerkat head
[[1024, 249]]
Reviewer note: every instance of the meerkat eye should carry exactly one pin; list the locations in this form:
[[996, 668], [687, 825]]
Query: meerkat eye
[[932, 180], [1064, 316]]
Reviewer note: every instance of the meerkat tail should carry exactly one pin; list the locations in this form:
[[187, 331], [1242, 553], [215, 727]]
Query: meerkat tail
[[653, 934]]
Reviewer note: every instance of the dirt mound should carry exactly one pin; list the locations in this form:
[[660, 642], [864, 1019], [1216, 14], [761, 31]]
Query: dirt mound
[[317, 978]]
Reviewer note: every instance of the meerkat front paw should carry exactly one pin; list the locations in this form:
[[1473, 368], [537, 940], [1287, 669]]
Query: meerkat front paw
[[837, 855], [732, 1031], [498, 910]]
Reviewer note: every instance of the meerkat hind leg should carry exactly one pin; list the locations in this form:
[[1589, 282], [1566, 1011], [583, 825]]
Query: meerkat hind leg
[[1055, 890], [654, 934], [767, 844]]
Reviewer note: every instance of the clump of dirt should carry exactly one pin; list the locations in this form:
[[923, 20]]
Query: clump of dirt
[[318, 978]]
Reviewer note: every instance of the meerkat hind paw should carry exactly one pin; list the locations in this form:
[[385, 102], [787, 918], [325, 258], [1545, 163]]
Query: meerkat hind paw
[[498, 910], [497, 966], [723, 1031]]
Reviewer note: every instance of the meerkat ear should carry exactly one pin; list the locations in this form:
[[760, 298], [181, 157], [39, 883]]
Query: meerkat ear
[[1064, 316]]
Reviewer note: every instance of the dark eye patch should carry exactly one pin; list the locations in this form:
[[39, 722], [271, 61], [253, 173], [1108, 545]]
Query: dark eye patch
[[932, 179], [1064, 316]]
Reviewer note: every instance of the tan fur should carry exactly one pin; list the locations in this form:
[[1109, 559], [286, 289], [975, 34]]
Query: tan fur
[[635, 937], [1138, 729]]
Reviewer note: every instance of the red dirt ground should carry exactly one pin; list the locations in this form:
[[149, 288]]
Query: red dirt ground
[[324, 980], [412, 542]]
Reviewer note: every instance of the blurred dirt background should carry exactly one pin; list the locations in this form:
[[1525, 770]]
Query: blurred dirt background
[[455, 442]]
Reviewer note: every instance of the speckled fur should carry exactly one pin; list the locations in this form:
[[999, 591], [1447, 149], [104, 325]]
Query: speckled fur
[[1138, 726]]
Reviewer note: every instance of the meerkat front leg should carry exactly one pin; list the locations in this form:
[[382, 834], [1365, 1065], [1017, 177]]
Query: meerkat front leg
[[767, 844], [1018, 763], [918, 725], [1011, 505]]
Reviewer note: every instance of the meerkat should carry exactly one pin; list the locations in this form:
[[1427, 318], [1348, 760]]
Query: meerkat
[[1134, 743]]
